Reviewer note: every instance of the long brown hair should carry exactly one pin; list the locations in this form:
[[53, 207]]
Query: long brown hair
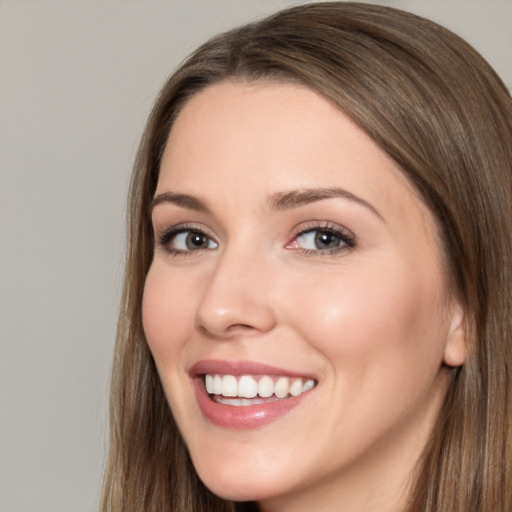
[[438, 109]]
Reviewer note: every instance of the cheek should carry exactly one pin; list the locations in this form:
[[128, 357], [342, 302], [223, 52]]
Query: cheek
[[392, 318], [383, 339], [166, 314]]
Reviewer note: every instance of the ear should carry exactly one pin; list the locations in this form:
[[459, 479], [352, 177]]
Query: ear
[[456, 350]]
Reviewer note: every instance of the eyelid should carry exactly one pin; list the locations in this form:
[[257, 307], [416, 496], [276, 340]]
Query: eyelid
[[164, 237], [348, 238]]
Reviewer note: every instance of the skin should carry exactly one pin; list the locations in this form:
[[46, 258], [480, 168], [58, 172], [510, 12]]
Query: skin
[[374, 323]]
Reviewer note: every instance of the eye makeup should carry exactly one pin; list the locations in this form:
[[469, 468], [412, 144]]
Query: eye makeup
[[313, 239], [184, 239], [327, 238]]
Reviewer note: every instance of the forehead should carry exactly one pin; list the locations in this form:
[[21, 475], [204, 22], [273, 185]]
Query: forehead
[[277, 135], [276, 121]]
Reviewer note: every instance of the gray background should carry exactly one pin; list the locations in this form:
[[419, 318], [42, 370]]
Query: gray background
[[77, 79]]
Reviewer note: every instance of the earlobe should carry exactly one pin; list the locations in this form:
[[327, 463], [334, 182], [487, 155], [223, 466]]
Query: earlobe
[[455, 351]]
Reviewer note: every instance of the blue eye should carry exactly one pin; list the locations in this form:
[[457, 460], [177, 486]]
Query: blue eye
[[183, 240]]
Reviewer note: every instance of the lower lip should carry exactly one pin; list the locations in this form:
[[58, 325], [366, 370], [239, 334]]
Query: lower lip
[[244, 417]]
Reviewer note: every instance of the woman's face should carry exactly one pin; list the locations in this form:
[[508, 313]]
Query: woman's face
[[293, 259]]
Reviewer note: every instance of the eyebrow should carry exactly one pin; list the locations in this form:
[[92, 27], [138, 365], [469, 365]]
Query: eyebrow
[[278, 202], [295, 198], [183, 200]]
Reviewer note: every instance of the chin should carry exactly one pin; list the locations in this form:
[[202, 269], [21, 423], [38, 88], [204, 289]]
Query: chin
[[237, 489], [241, 483]]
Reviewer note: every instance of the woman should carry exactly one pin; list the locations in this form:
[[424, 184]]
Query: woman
[[317, 302]]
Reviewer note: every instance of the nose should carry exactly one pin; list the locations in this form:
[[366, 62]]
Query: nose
[[236, 300]]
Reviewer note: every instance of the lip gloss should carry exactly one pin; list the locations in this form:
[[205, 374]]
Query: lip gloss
[[243, 417]]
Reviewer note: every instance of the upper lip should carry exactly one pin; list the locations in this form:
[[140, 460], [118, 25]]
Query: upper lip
[[238, 368]]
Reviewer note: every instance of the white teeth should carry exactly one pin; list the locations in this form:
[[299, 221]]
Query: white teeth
[[296, 387], [229, 385], [217, 385], [247, 387], [282, 387], [237, 402], [309, 384], [265, 387], [246, 390], [208, 382]]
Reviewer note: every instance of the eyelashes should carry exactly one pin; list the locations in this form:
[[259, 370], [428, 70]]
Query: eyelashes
[[185, 239], [312, 239], [322, 239]]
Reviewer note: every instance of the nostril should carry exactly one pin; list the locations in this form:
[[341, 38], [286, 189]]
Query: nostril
[[241, 327], [231, 330]]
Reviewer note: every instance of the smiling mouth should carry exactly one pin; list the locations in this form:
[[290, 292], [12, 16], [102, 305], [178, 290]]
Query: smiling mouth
[[246, 390], [246, 395]]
